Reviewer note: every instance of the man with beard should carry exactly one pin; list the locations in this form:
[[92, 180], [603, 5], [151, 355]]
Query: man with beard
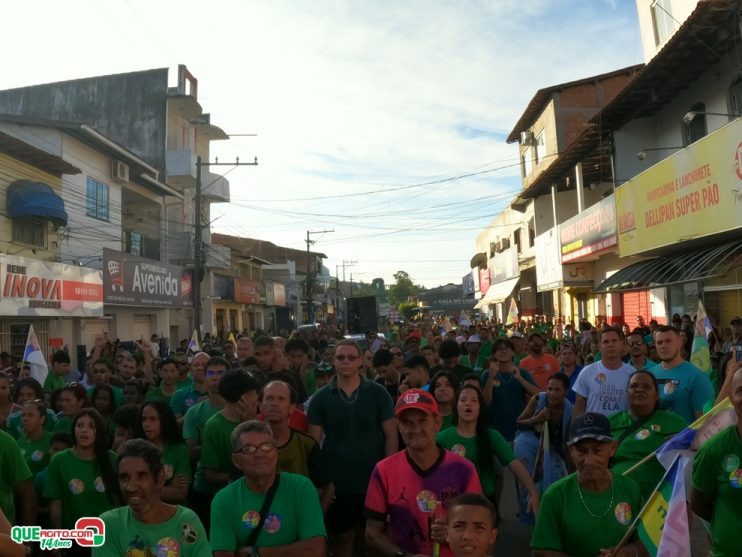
[[142, 525], [538, 363]]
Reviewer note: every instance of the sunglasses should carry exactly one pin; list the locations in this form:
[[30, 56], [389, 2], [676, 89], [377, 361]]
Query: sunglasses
[[635, 343], [252, 449], [343, 357]]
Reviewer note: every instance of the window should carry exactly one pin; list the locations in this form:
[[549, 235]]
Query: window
[[29, 232], [526, 162], [696, 128], [134, 243], [516, 238], [735, 98], [662, 20], [540, 148], [97, 200]]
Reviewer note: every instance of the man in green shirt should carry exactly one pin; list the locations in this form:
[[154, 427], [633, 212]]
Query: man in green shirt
[[147, 525], [292, 526], [194, 391], [100, 374], [167, 369], [590, 511], [717, 481], [60, 368]]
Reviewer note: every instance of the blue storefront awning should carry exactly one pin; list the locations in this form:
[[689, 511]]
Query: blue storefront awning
[[35, 199]]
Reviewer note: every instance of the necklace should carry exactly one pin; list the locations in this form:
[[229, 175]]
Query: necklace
[[349, 399], [591, 513]]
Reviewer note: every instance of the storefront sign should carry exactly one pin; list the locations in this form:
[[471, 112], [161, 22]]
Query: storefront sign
[[38, 288], [589, 232], [279, 294], [484, 280], [247, 291], [467, 284], [551, 272], [222, 287], [504, 265], [132, 280], [695, 192]]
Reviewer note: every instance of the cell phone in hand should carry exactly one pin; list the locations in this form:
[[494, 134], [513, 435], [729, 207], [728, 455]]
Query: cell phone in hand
[[738, 352]]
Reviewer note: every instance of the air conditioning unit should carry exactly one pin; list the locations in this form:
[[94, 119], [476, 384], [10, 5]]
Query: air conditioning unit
[[527, 138], [119, 171]]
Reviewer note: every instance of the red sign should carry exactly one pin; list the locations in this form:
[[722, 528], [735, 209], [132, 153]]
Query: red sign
[[484, 280], [247, 291]]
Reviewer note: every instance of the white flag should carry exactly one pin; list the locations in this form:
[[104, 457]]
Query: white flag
[[34, 357]]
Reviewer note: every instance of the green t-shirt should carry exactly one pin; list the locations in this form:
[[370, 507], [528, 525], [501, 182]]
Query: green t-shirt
[[118, 395], [14, 423], [183, 535], [185, 398], [641, 442], [53, 382], [301, 455], [155, 393], [36, 453], [13, 470], [717, 473], [446, 421], [195, 419], [467, 447], [176, 459], [294, 515], [216, 451], [564, 524], [64, 424], [78, 484]]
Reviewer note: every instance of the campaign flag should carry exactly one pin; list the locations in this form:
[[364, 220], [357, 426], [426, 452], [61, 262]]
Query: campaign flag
[[447, 324], [513, 313], [700, 355], [696, 434], [464, 320], [232, 339], [34, 357], [193, 345], [662, 524]]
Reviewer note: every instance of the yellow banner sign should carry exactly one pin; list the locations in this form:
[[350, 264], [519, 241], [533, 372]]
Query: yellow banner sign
[[696, 192]]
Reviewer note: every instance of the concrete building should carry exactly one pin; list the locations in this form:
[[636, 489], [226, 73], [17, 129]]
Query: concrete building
[[166, 128]]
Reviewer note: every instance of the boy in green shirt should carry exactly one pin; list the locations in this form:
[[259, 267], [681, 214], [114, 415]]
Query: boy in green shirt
[[147, 525]]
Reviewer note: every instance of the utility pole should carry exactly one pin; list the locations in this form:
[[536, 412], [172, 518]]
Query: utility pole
[[310, 272], [198, 234], [351, 285], [344, 265]]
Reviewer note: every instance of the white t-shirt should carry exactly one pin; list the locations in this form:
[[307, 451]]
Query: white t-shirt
[[605, 389]]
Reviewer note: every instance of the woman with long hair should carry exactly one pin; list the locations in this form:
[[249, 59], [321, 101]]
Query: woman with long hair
[[25, 390], [159, 426], [474, 439], [34, 441], [81, 480], [443, 386], [73, 397], [103, 399]]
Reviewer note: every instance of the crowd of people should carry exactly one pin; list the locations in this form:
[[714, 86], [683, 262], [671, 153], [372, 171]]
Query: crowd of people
[[395, 445]]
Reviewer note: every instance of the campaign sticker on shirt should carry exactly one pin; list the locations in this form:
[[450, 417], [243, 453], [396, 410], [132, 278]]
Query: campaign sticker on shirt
[[670, 386], [656, 427], [188, 533], [37, 455], [251, 519], [730, 463], [459, 449], [272, 523], [167, 547], [168, 472], [600, 378], [642, 434], [623, 513], [99, 486], [735, 478], [426, 501], [76, 486], [496, 382]]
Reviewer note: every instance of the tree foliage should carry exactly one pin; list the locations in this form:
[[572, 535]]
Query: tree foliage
[[402, 289]]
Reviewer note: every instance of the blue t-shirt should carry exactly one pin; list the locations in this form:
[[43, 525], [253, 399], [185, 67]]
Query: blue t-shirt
[[509, 398], [684, 389], [572, 378]]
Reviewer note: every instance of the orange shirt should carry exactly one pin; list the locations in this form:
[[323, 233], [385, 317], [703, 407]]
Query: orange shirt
[[541, 367]]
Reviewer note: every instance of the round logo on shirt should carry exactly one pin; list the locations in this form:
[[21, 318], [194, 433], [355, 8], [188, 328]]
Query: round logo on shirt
[[735, 478], [99, 486], [272, 523], [459, 449], [670, 387], [37, 455], [168, 472], [76, 486], [642, 434], [188, 533], [250, 519], [167, 547], [600, 378], [623, 513], [730, 463], [426, 501]]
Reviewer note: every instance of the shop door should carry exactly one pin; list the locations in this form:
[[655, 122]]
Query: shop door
[[634, 304], [142, 325], [90, 328], [722, 306]]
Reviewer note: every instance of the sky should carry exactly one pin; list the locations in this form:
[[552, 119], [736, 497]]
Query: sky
[[382, 121]]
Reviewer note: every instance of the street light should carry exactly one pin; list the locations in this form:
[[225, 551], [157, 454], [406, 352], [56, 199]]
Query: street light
[[641, 155], [691, 114]]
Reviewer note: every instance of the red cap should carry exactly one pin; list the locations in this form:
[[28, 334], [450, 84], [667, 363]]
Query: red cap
[[415, 334], [417, 399]]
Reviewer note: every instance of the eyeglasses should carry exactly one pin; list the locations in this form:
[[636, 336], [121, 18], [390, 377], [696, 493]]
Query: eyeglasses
[[343, 357], [635, 343], [266, 447]]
